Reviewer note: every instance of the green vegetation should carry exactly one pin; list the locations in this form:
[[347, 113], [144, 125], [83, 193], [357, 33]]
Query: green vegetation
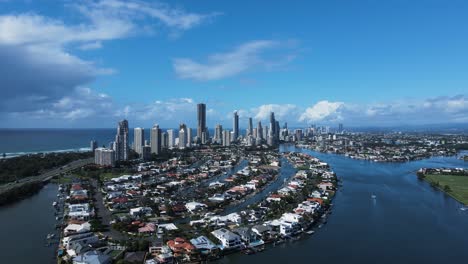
[[20, 192], [454, 185], [16, 168]]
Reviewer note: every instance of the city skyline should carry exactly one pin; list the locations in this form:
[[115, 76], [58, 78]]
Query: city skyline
[[92, 63]]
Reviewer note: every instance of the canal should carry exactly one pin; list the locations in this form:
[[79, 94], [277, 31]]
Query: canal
[[24, 226]]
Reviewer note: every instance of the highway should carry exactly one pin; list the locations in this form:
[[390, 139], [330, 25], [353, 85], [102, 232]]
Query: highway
[[46, 176]]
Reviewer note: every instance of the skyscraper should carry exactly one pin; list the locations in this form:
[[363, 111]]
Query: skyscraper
[[250, 127], [218, 137], [138, 139], [235, 126], [272, 132], [104, 157], [189, 137], [93, 145], [171, 138], [121, 141], [201, 117], [260, 130], [155, 139], [226, 138], [164, 140], [182, 138]]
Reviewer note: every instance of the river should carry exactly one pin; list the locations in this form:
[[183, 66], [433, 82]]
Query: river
[[24, 226], [408, 222]]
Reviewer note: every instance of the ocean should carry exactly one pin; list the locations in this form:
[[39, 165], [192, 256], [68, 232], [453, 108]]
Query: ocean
[[15, 142]]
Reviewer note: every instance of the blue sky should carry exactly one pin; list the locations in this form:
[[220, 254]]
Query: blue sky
[[373, 63]]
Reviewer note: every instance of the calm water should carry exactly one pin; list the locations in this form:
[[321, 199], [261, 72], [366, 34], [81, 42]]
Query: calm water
[[24, 226], [15, 142], [409, 222]]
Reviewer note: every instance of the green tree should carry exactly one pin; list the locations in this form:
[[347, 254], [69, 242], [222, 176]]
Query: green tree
[[447, 188]]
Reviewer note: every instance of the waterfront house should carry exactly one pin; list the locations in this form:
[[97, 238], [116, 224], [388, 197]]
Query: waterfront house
[[77, 228], [92, 257], [262, 231], [180, 246], [249, 237], [203, 243], [80, 211], [324, 186], [228, 239]]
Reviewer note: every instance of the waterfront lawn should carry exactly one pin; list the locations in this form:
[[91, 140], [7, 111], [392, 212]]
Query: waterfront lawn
[[458, 185]]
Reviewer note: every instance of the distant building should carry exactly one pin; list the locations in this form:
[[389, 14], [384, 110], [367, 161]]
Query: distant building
[[104, 157], [189, 137], [156, 140], [250, 127], [201, 120], [218, 137], [226, 138], [121, 141], [93, 145], [164, 140], [146, 153], [235, 126], [182, 138], [171, 138], [138, 139], [260, 130]]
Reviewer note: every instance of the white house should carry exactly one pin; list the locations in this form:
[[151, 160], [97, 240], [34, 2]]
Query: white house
[[194, 206], [228, 239]]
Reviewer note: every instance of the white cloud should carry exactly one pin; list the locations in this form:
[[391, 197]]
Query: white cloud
[[221, 65], [80, 104], [321, 111], [91, 45], [36, 52]]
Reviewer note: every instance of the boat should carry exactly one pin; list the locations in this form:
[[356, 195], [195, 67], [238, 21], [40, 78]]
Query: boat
[[54, 204], [464, 208], [373, 196], [311, 232], [50, 236], [248, 251]]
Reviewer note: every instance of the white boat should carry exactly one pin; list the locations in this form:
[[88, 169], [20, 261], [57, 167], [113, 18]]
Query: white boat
[[50, 236], [373, 196], [311, 232], [54, 204]]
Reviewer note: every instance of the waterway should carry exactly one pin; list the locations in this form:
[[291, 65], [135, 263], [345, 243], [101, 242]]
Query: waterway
[[24, 226], [408, 222]]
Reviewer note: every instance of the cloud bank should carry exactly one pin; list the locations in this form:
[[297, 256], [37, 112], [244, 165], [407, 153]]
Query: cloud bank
[[38, 61]]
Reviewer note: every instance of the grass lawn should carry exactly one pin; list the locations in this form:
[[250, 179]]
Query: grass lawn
[[457, 184]]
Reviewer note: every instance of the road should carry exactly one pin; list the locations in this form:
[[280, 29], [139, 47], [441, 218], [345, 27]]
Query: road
[[104, 213], [47, 175]]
